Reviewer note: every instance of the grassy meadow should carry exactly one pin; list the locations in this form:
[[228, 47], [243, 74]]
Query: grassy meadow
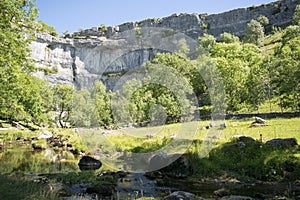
[[141, 137], [224, 160]]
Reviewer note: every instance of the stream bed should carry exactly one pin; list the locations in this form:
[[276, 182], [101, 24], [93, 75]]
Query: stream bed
[[36, 164]]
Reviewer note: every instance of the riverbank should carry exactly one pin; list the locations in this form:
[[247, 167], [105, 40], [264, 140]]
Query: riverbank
[[244, 160]]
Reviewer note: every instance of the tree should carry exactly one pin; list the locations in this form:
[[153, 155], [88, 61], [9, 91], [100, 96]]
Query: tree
[[164, 93], [263, 20], [296, 16], [207, 41], [83, 110], [254, 33], [229, 38], [102, 104], [63, 103], [45, 28], [239, 67], [102, 28], [16, 30], [38, 100], [285, 69], [183, 48], [186, 68]]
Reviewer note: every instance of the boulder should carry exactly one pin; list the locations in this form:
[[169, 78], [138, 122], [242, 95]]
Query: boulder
[[39, 145], [89, 163], [181, 195], [254, 125], [212, 124], [1, 144], [246, 139], [172, 165], [221, 192], [45, 135], [259, 120], [243, 141], [234, 197], [282, 142], [222, 126], [18, 126], [103, 190]]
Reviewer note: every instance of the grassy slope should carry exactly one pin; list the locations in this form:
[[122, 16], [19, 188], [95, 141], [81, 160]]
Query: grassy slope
[[278, 128]]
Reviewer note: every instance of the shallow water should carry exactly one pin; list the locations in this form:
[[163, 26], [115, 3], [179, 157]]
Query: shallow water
[[22, 158], [136, 185]]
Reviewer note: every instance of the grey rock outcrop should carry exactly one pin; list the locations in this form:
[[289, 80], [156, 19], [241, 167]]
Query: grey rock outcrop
[[282, 142], [80, 58], [45, 134], [181, 195], [194, 25], [234, 197]]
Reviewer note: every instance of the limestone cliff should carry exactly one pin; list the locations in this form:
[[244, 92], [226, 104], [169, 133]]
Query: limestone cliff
[[107, 52]]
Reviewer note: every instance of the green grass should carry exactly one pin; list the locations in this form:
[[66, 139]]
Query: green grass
[[16, 187], [278, 128], [9, 135], [136, 140], [257, 161], [271, 42]]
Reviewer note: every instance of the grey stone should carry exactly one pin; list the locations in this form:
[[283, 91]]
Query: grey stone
[[45, 134], [18, 126], [235, 197], [260, 120], [1, 144], [282, 142], [89, 55], [181, 195]]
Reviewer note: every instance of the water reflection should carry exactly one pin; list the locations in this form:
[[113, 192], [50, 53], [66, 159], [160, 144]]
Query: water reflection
[[22, 158]]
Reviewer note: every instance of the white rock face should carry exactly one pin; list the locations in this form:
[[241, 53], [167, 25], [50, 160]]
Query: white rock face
[[89, 55], [80, 62], [56, 59]]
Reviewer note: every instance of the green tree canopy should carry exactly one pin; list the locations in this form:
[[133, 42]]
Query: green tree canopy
[[17, 90], [229, 38], [63, 103], [239, 65], [254, 33], [285, 69], [263, 20], [207, 41], [102, 104], [296, 16]]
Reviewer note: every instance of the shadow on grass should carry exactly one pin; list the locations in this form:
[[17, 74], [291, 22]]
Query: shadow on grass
[[250, 159], [16, 187], [248, 167]]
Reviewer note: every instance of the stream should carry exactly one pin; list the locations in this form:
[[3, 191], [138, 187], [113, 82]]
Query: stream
[[33, 163], [23, 158]]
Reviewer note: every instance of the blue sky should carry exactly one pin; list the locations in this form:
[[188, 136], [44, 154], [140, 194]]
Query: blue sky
[[72, 15]]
